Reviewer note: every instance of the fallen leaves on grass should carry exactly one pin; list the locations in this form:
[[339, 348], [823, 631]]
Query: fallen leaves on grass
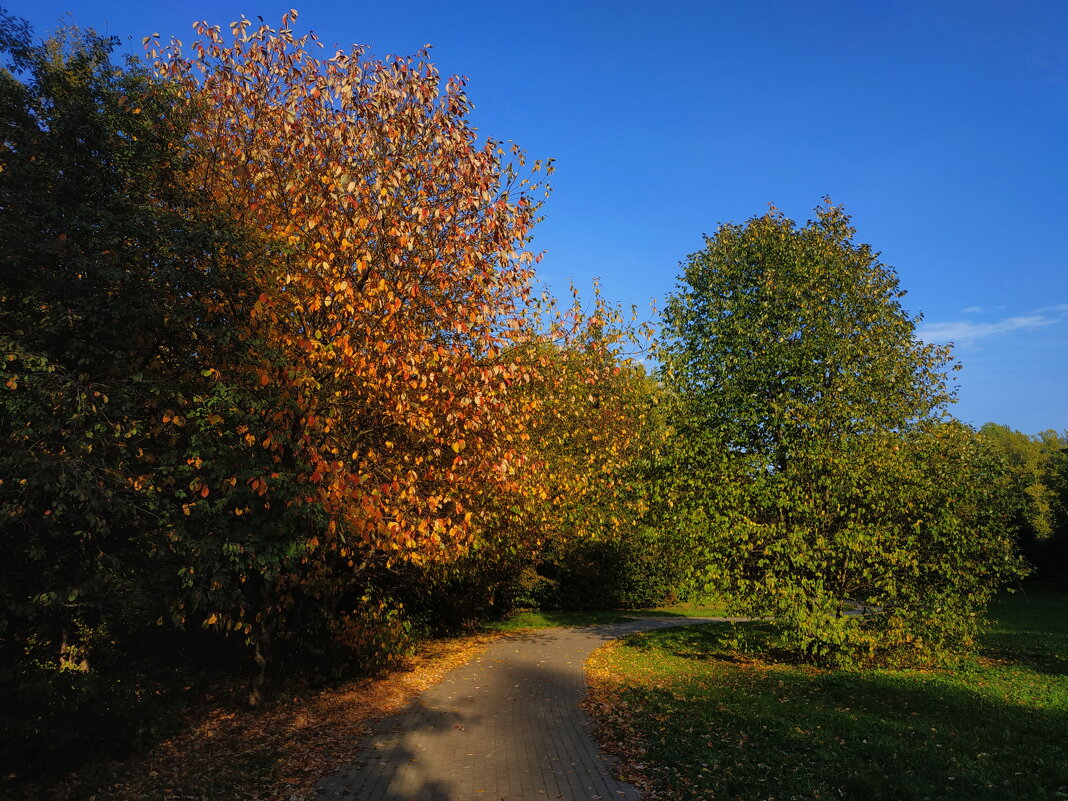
[[279, 753], [613, 726]]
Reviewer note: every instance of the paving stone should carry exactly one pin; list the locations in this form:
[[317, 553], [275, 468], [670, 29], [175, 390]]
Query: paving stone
[[506, 725]]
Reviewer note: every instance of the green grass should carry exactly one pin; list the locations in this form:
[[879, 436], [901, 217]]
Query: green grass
[[724, 726], [539, 619], [711, 609]]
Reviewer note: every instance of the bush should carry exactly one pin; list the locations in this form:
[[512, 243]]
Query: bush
[[634, 570], [55, 720]]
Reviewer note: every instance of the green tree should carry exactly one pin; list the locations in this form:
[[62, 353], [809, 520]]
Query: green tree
[[91, 319], [1037, 480], [1027, 459], [1051, 557], [805, 409], [122, 294]]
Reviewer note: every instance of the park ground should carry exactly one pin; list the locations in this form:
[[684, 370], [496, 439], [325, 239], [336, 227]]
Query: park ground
[[696, 718], [693, 715]]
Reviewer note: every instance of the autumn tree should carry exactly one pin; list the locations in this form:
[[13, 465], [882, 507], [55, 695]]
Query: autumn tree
[[396, 277], [806, 415]]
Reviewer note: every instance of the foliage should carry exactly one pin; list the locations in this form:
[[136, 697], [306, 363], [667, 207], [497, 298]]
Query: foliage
[[395, 279], [921, 536], [701, 720], [635, 568], [120, 298], [586, 421], [1027, 459], [239, 395], [595, 427], [398, 265], [103, 311], [810, 467], [783, 339], [1036, 471], [594, 415]]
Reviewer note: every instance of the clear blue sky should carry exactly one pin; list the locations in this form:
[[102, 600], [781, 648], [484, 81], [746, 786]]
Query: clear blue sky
[[942, 126]]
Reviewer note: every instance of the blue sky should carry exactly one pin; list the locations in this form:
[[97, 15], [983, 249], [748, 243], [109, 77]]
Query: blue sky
[[941, 126]]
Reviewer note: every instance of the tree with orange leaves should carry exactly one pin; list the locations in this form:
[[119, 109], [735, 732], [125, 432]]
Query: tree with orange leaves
[[396, 277], [586, 421]]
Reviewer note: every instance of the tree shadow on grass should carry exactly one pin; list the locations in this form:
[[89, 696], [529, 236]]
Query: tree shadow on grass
[[1039, 660], [1042, 652], [720, 727], [1031, 630]]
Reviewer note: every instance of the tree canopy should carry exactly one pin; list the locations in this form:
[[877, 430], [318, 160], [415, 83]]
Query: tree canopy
[[783, 337], [811, 413], [1036, 478], [273, 369]]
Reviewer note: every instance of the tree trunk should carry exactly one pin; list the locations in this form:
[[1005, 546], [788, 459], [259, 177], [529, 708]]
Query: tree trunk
[[258, 684]]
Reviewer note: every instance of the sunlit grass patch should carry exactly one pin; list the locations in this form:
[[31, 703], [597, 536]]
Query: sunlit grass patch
[[706, 722], [541, 619], [538, 619]]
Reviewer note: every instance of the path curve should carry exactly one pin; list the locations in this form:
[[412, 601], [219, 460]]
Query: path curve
[[507, 725]]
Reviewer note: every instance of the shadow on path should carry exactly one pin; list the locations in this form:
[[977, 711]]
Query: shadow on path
[[506, 725]]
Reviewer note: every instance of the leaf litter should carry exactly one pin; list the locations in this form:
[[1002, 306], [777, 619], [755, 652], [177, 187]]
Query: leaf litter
[[228, 752]]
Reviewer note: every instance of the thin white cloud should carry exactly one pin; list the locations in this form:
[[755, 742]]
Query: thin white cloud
[[1059, 309], [963, 331], [973, 310]]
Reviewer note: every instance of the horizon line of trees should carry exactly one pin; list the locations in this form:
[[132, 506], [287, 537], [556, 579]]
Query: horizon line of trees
[[279, 397]]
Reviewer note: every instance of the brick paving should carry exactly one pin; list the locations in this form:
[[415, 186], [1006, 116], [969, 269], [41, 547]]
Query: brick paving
[[506, 725]]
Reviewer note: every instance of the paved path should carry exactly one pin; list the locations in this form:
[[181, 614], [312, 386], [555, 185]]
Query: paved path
[[504, 726]]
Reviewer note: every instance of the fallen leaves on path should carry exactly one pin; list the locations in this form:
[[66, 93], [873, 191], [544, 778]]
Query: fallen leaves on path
[[279, 753]]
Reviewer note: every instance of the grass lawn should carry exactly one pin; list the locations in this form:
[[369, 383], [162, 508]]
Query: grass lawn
[[695, 720], [539, 619]]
